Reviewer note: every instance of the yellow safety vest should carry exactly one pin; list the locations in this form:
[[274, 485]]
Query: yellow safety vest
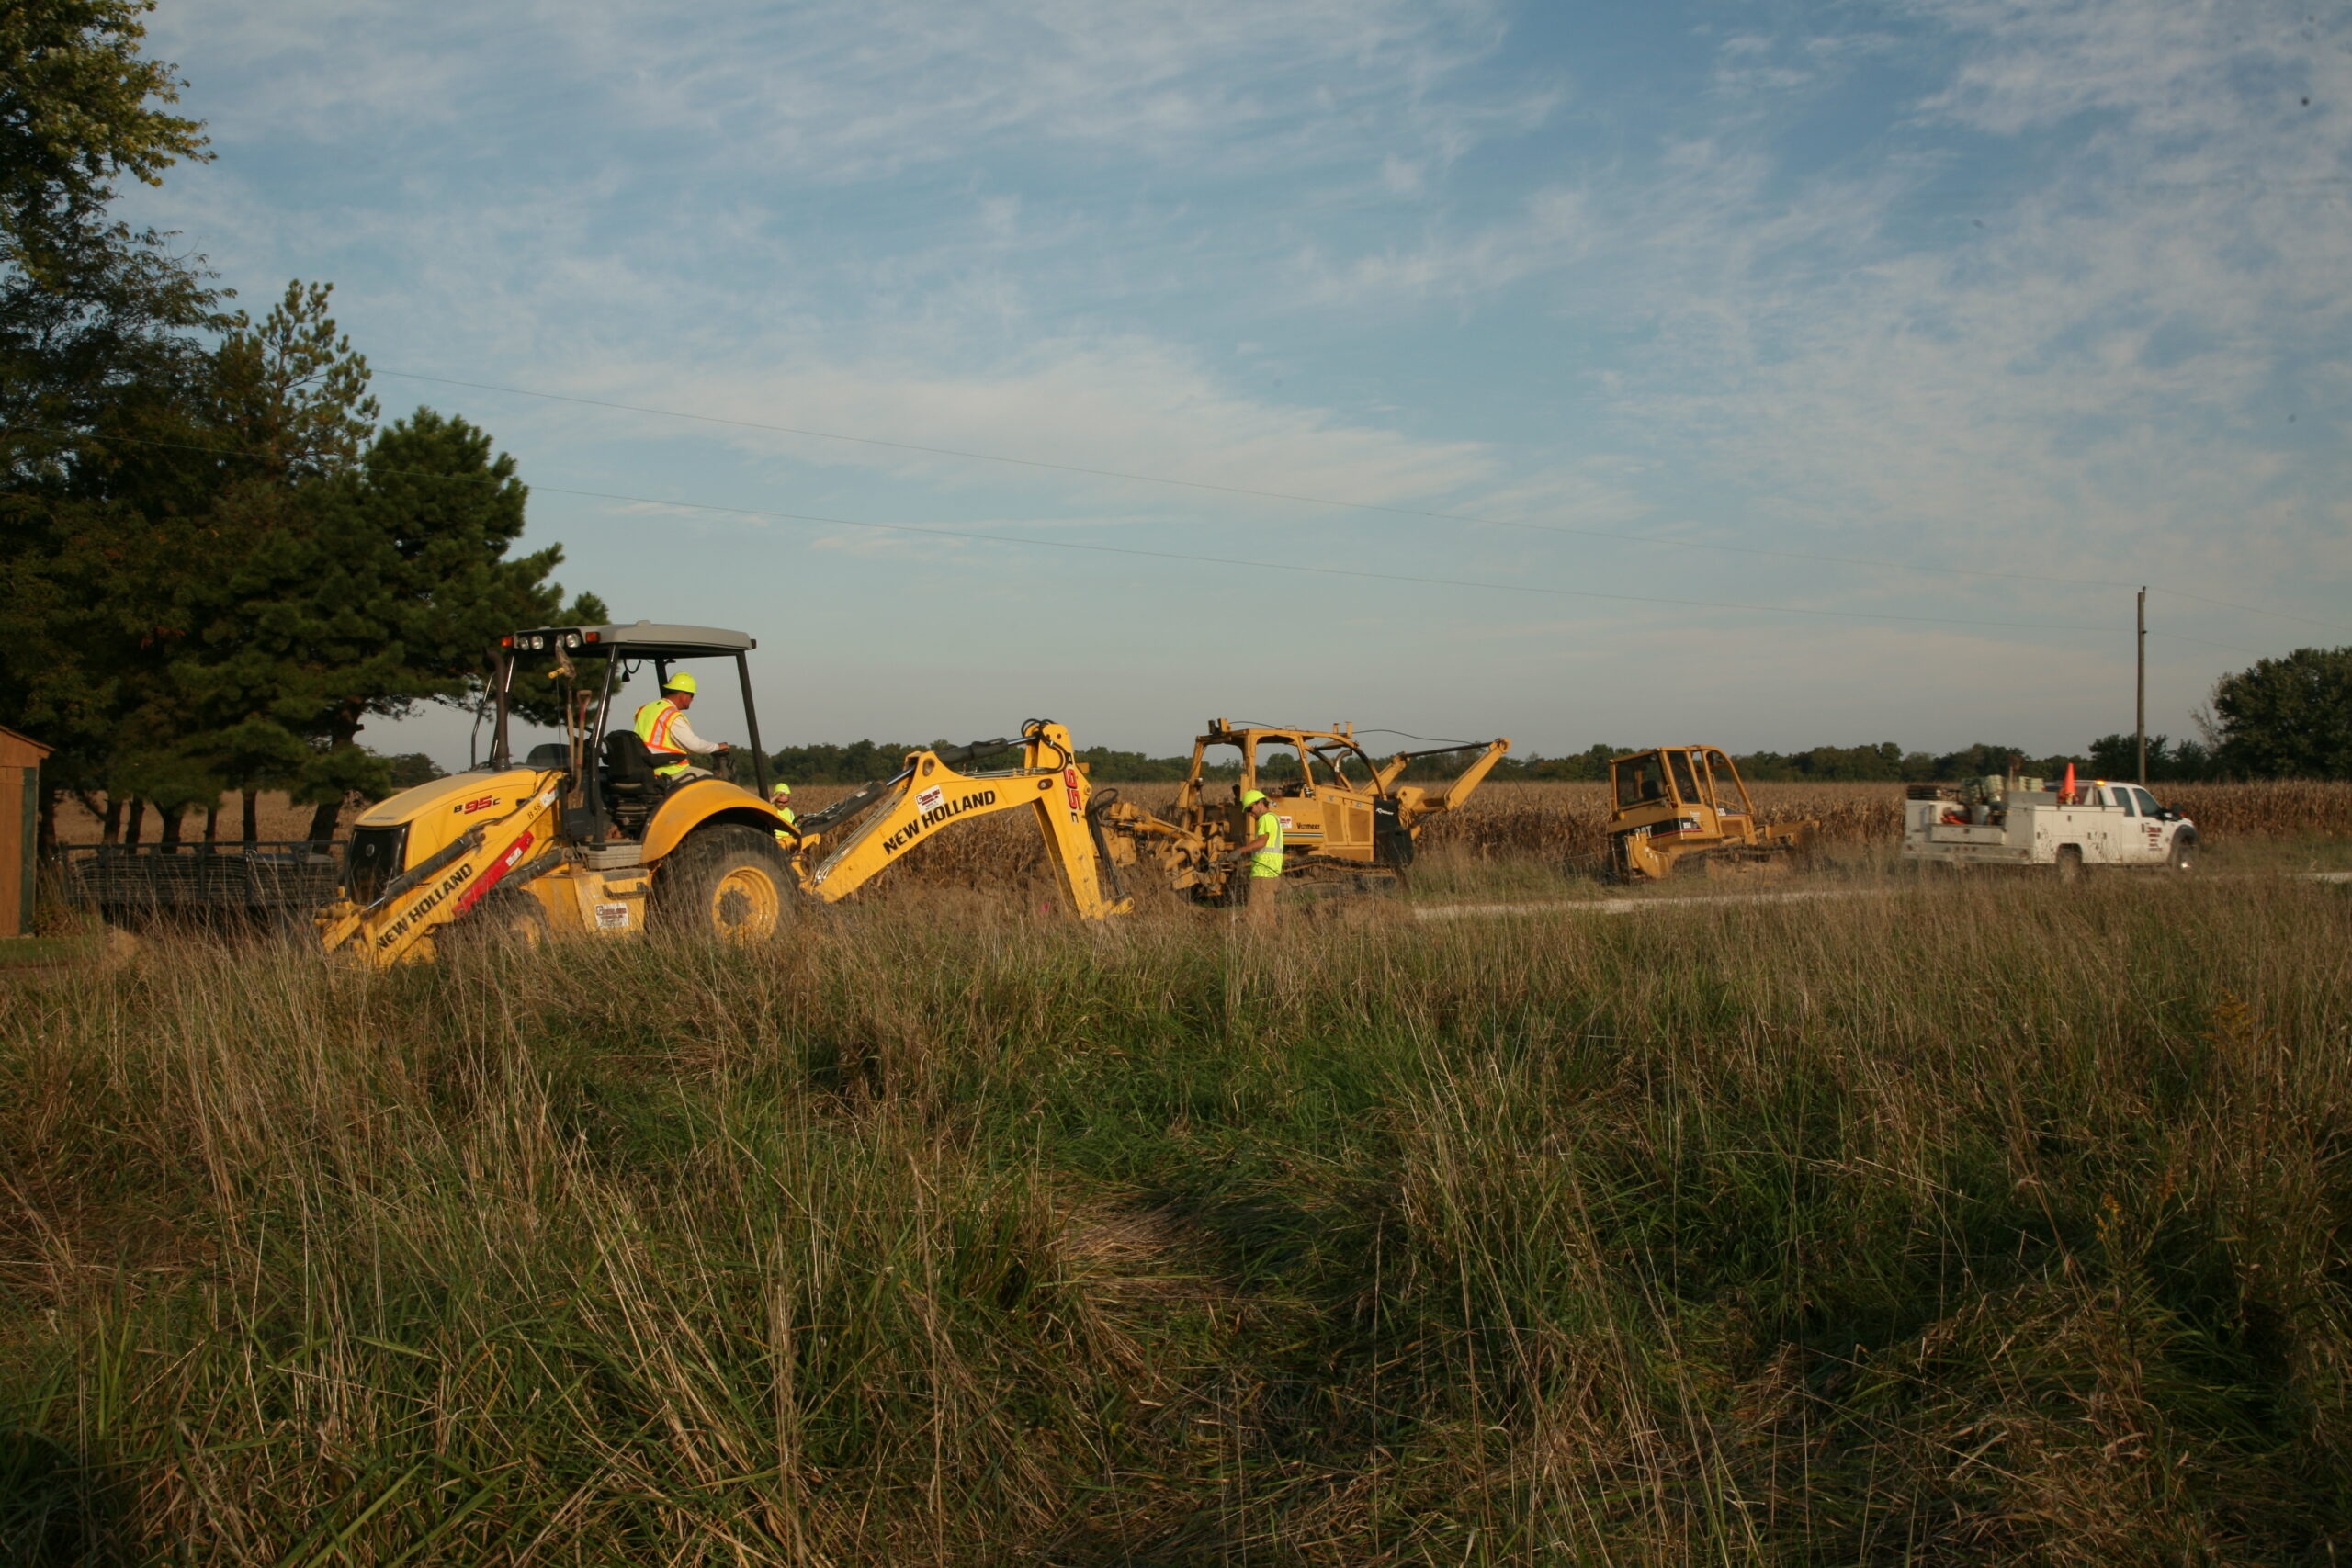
[[653, 724], [1266, 861], [786, 840]]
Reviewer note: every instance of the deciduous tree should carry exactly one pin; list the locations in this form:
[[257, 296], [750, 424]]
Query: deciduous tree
[[2288, 718]]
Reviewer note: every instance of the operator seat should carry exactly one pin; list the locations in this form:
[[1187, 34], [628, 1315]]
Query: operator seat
[[631, 788]]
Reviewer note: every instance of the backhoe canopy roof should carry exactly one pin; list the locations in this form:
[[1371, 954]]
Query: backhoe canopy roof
[[638, 640]]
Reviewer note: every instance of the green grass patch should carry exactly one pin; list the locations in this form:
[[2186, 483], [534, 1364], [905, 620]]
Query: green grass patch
[[26, 949]]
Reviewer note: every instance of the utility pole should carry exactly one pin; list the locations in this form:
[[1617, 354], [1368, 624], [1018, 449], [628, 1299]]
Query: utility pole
[[2140, 721]]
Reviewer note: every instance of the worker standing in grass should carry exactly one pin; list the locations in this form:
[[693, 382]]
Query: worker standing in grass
[[781, 798], [661, 724], [1265, 852]]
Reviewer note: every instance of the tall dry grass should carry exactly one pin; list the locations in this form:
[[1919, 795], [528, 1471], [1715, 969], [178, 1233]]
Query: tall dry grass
[[1985, 1221]]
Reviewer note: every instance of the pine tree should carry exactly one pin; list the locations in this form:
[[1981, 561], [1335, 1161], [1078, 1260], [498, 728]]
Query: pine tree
[[95, 350]]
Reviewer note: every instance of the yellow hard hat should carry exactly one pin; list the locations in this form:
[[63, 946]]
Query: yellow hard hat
[[782, 788], [680, 683], [1253, 798]]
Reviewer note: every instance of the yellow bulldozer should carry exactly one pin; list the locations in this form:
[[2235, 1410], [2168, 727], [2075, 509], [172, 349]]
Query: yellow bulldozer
[[1344, 815], [584, 836], [1676, 806]]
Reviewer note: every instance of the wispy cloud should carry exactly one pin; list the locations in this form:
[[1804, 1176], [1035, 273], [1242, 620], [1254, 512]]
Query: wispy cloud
[[844, 91], [1550, 232], [1123, 405]]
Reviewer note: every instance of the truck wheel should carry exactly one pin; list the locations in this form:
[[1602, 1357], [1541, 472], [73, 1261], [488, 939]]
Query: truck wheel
[[725, 881], [2184, 850], [2069, 864]]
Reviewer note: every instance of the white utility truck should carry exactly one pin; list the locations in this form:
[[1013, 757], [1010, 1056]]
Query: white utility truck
[[2010, 820]]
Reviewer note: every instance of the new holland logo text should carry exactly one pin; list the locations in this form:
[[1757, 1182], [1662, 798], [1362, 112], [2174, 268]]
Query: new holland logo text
[[426, 905], [934, 816]]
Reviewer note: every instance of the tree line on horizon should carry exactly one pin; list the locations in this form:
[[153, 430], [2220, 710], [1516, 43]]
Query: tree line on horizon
[[215, 566], [2288, 718]]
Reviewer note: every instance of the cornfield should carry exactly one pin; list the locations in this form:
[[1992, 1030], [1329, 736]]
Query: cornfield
[[2291, 808]]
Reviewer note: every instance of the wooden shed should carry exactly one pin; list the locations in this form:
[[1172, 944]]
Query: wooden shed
[[19, 828]]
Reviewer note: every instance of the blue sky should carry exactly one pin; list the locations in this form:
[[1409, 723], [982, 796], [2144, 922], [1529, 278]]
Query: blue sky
[[1653, 302]]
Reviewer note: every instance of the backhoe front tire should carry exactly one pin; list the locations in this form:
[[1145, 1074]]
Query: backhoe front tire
[[726, 881], [507, 917]]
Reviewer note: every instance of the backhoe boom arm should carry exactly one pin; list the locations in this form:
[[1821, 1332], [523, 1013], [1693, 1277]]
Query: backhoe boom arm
[[929, 793]]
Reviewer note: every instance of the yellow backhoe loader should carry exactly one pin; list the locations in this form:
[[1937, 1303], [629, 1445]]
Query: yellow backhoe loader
[[1343, 815], [1677, 805], [585, 836]]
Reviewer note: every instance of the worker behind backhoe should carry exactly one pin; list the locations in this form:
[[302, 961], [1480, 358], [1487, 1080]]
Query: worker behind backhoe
[[781, 798], [1265, 852], [669, 739]]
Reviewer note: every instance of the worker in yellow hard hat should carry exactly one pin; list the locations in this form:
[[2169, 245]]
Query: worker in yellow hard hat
[[669, 739], [781, 798], [1265, 852]]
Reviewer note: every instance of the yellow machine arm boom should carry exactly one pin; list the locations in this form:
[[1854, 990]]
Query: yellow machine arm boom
[[1458, 789], [930, 792], [393, 927]]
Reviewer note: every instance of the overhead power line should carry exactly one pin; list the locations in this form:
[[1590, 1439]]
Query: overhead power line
[[974, 535], [1304, 499]]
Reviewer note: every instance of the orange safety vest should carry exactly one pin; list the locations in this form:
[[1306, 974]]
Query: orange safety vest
[[653, 722]]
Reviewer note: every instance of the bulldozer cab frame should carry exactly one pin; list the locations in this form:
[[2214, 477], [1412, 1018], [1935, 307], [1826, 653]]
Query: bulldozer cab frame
[[1671, 803], [1670, 783]]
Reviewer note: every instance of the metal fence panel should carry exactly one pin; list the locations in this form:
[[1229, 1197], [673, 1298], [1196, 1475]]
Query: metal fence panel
[[280, 875]]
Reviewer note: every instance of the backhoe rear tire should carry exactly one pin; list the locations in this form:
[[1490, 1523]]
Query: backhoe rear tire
[[727, 881]]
